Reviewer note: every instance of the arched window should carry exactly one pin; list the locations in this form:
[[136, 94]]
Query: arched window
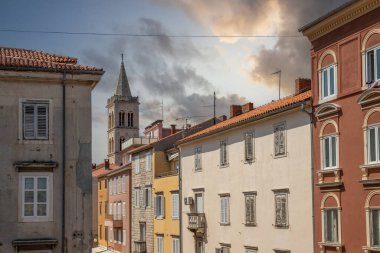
[[327, 67], [130, 119], [371, 127], [331, 219], [109, 146], [329, 137], [109, 120], [112, 120], [372, 209], [371, 57], [121, 118], [122, 139]]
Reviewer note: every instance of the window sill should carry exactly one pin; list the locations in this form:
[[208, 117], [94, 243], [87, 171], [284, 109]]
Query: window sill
[[224, 224], [281, 226], [198, 170], [371, 248], [366, 170], [224, 165], [322, 173], [250, 224], [250, 161], [327, 99], [36, 219], [337, 245], [280, 156]]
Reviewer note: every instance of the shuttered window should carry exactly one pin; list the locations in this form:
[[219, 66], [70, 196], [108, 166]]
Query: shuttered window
[[36, 121], [124, 181], [223, 153], [124, 209], [225, 210], [197, 158], [279, 140], [136, 163], [250, 209], [281, 207], [137, 197], [248, 143], [148, 161], [175, 205], [147, 196]]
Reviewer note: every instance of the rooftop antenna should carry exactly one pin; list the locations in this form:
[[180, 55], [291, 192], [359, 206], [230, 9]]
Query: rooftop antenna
[[279, 82], [122, 58]]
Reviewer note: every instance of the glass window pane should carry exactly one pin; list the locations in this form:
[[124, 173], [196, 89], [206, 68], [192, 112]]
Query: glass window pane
[[327, 152], [29, 183], [41, 210], [375, 227], [372, 145], [370, 66], [333, 151], [28, 210], [332, 81], [378, 64], [41, 196], [42, 183], [29, 197], [325, 84]]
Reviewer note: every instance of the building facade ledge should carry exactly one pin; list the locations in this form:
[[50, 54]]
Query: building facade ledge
[[337, 246]]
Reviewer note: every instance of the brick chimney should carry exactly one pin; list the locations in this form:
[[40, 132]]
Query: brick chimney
[[222, 118], [302, 85], [106, 164], [172, 129], [247, 107], [235, 110]]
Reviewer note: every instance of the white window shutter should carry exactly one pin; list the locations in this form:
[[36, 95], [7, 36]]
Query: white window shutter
[[29, 121], [42, 121]]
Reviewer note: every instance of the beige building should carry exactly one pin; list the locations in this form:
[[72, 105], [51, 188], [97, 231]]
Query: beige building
[[45, 152], [246, 182]]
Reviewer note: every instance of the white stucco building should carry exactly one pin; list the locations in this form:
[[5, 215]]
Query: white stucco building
[[246, 182], [45, 152]]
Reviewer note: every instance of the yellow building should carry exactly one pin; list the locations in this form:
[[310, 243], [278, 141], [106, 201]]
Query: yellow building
[[166, 193]]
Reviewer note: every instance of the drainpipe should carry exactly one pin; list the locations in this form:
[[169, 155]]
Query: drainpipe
[[180, 199], [310, 114], [63, 160]]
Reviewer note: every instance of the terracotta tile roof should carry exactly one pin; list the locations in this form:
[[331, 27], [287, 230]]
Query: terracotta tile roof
[[101, 171], [31, 60], [251, 115]]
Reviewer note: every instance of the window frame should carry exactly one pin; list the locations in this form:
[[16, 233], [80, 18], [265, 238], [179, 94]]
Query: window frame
[[225, 218], [325, 227], [223, 153], [376, 75], [323, 140], [159, 209], [175, 208], [137, 168], [198, 158], [328, 68], [252, 139], [278, 193], [377, 144], [279, 155], [49, 196], [250, 195], [175, 244], [136, 195], [160, 246], [147, 196]]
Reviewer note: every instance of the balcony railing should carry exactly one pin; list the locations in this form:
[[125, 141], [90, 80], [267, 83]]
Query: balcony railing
[[197, 221], [167, 173], [137, 141], [140, 247], [115, 220]]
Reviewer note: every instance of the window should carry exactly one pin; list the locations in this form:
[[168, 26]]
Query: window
[[281, 209], [110, 189], [250, 249], [223, 153], [279, 140], [175, 205], [175, 244], [124, 182], [137, 197], [120, 239], [147, 196], [142, 231], [248, 144], [106, 233], [159, 206], [148, 161], [373, 142], [105, 206], [121, 118], [36, 201], [329, 152], [137, 164], [111, 235], [250, 208], [100, 232], [105, 184], [328, 81], [100, 185], [35, 121], [331, 225], [100, 208], [119, 211], [197, 158], [121, 141], [225, 210], [160, 244], [373, 65], [124, 210], [130, 119], [110, 210], [114, 183]]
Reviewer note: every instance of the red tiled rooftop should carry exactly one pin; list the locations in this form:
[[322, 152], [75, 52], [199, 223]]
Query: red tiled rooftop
[[32, 60], [100, 170], [258, 112]]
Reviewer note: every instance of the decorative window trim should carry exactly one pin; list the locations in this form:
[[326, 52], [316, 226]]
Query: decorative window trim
[[223, 162], [322, 98], [369, 98], [366, 126], [324, 244], [49, 197], [323, 151], [327, 110], [368, 209], [249, 158], [50, 116], [364, 50], [285, 192], [285, 140], [159, 213], [254, 195]]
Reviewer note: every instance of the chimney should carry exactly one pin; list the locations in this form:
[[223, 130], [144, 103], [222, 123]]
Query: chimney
[[222, 118], [247, 107], [302, 85], [172, 128], [235, 110], [106, 164]]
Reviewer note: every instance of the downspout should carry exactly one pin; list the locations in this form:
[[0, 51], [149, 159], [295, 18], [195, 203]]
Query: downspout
[[310, 114], [63, 161], [180, 199]]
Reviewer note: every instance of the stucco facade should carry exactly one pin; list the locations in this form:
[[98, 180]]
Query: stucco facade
[[216, 217], [347, 187], [37, 162]]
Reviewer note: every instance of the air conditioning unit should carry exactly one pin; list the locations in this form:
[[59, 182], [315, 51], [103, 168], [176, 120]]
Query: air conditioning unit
[[189, 200]]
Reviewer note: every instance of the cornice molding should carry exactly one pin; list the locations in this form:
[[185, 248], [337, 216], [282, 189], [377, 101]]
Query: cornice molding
[[341, 18]]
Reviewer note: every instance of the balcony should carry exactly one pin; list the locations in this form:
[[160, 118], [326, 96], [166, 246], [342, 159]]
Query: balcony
[[197, 222], [137, 141], [140, 247], [114, 221]]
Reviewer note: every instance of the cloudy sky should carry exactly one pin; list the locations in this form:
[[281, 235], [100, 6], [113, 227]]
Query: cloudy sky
[[183, 72]]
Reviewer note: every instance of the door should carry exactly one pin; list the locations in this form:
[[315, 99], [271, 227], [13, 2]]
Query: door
[[199, 202]]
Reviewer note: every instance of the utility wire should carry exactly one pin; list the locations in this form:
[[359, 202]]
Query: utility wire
[[148, 35]]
